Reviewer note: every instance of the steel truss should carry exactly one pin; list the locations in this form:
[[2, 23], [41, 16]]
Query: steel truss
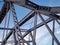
[[19, 38]]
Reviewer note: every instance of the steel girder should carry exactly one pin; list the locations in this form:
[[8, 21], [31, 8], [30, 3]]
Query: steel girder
[[50, 31], [49, 11], [30, 5], [22, 30], [25, 19], [43, 12], [39, 25]]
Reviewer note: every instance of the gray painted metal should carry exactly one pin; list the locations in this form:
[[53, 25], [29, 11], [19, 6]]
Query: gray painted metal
[[48, 11]]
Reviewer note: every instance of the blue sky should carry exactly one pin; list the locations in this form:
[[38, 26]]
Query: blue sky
[[44, 37], [47, 2]]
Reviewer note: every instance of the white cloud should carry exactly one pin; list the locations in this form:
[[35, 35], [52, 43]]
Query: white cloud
[[58, 32], [59, 40], [41, 32], [10, 44], [51, 25], [45, 40]]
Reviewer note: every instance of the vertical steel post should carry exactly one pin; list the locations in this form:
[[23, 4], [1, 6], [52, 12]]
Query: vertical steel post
[[53, 32], [34, 32], [15, 41]]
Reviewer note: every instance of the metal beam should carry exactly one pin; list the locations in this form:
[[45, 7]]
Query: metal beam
[[49, 14], [8, 42], [4, 11], [43, 9], [25, 19], [52, 34], [22, 30], [1, 28], [21, 23], [37, 26], [34, 32], [30, 5], [48, 11]]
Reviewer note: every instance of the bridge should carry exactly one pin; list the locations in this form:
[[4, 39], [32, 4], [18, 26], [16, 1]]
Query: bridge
[[18, 33]]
